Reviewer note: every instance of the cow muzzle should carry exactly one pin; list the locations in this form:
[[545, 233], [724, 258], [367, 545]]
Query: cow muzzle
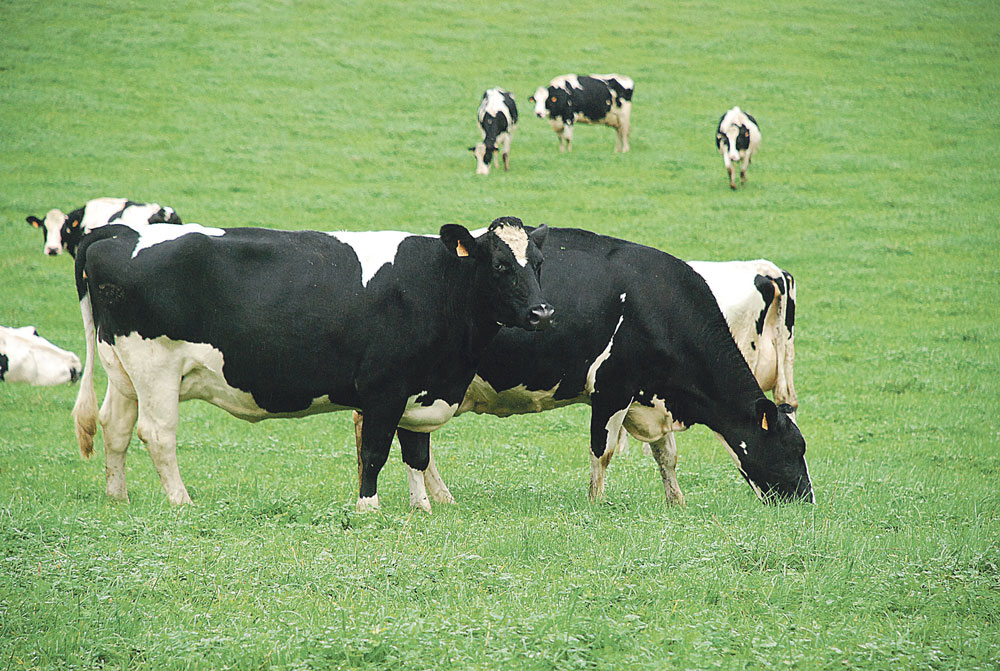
[[540, 316], [53, 251]]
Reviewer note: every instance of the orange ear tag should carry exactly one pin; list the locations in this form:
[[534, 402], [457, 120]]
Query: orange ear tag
[[460, 250]]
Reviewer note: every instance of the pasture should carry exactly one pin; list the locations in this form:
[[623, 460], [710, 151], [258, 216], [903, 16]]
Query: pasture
[[876, 186]]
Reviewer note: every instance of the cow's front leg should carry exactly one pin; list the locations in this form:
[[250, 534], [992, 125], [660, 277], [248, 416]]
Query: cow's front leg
[[377, 429], [744, 164], [665, 453], [506, 153], [416, 447], [567, 137], [606, 419]]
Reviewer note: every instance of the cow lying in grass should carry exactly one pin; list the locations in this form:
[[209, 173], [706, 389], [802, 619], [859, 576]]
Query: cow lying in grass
[[27, 357]]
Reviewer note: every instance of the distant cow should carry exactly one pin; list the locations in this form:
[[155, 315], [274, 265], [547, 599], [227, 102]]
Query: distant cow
[[497, 120], [27, 357], [598, 99], [63, 231], [265, 323], [641, 339], [738, 139]]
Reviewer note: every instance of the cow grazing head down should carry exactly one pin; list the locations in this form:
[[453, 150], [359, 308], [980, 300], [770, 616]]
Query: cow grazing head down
[[510, 261], [772, 459]]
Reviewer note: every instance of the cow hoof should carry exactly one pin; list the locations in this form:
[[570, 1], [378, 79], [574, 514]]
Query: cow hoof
[[422, 503], [367, 503]]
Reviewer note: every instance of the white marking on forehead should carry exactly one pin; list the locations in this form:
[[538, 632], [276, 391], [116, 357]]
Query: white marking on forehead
[[374, 249], [517, 239], [157, 233]]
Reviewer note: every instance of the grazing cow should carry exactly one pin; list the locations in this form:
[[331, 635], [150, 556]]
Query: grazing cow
[[737, 139], [497, 120], [65, 230], [266, 323], [27, 357], [599, 99], [642, 340]]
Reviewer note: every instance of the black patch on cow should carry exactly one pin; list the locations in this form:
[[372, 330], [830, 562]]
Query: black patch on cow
[[508, 100], [790, 308], [766, 289], [621, 93], [161, 217], [593, 99], [753, 120], [493, 127], [72, 230], [4, 366], [743, 138], [118, 215]]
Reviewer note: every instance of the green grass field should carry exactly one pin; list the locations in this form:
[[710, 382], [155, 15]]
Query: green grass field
[[877, 186]]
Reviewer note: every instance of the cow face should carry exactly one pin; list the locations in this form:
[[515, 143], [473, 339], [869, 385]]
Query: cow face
[[772, 459], [484, 156], [509, 260], [731, 139], [553, 102], [56, 228]]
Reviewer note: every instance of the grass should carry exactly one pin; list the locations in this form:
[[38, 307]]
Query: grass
[[876, 187]]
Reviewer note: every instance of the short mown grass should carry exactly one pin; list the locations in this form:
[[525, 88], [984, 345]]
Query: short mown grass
[[876, 186]]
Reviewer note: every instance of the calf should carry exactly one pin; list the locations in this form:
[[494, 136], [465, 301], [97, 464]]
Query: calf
[[266, 323], [598, 99], [643, 341], [64, 231], [738, 139], [497, 120], [27, 357]]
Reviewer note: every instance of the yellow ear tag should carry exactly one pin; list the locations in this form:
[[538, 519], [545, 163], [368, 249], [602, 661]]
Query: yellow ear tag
[[763, 422], [35, 224], [460, 250], [75, 223]]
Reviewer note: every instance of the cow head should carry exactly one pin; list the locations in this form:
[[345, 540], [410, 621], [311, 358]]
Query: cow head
[[771, 454], [730, 139], [58, 229], [484, 156], [509, 261], [552, 102]]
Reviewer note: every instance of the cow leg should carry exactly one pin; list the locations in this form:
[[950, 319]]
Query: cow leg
[[157, 428], [665, 453], [622, 448], [731, 169], [118, 417], [621, 142], [416, 449], [377, 430], [506, 153], [432, 479], [744, 164], [566, 136], [606, 419]]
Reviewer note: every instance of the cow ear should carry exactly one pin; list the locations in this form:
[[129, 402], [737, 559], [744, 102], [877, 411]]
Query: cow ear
[[34, 221], [472, 149], [767, 412], [531, 99], [458, 240], [538, 235]]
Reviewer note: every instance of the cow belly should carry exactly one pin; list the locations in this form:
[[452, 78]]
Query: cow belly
[[482, 398], [649, 423], [419, 416]]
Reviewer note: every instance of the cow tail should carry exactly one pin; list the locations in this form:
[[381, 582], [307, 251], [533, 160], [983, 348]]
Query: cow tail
[[786, 338], [85, 408]]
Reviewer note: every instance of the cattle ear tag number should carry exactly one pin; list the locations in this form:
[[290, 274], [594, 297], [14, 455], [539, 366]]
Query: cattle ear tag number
[[763, 422], [460, 250]]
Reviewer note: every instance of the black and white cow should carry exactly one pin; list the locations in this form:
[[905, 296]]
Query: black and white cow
[[598, 99], [639, 337], [27, 357], [497, 120], [266, 323], [738, 139], [63, 231]]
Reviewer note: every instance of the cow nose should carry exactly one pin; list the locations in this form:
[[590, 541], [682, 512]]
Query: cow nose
[[52, 251], [74, 374], [540, 316]]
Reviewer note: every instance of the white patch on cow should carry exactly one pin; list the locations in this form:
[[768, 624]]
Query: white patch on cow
[[418, 490], [651, 421], [152, 235], [367, 503], [482, 398], [374, 249], [425, 418], [601, 358], [34, 360], [613, 427], [517, 239]]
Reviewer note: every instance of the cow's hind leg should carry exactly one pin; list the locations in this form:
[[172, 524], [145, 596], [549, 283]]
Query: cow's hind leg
[[665, 453], [416, 447], [606, 419], [118, 417], [435, 485], [157, 428]]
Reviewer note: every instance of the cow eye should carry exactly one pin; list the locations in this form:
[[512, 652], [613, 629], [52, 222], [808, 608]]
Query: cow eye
[[500, 266]]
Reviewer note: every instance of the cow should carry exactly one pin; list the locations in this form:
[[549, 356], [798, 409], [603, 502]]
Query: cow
[[640, 337], [598, 99], [497, 120], [64, 231], [758, 300], [266, 323], [27, 357], [737, 139]]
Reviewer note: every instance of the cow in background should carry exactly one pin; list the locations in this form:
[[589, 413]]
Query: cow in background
[[596, 99], [64, 231], [497, 120], [738, 139], [27, 357]]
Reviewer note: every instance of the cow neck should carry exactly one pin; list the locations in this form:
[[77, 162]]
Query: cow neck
[[468, 308]]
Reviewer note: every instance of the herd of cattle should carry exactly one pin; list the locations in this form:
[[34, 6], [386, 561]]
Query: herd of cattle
[[410, 330], [597, 99]]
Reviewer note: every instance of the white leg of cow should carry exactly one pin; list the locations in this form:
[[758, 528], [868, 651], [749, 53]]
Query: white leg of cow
[[416, 449], [157, 428], [665, 452], [731, 169], [744, 164], [622, 447], [506, 153], [604, 430], [621, 141], [435, 485], [118, 417]]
